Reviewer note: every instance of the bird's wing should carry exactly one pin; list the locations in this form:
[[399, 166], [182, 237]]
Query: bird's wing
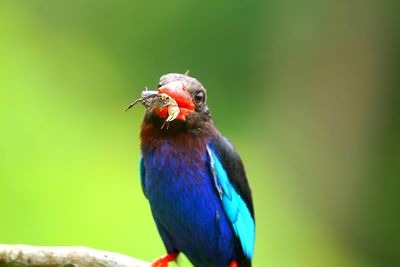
[[233, 188], [142, 175]]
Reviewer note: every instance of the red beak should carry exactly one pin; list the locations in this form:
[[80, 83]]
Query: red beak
[[179, 93]]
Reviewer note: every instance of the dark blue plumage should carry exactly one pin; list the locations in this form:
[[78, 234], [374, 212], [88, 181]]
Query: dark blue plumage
[[196, 185]]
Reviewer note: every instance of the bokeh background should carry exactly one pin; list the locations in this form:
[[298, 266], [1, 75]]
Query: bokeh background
[[306, 90]]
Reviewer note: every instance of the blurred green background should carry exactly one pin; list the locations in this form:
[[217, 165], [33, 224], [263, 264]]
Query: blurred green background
[[306, 90]]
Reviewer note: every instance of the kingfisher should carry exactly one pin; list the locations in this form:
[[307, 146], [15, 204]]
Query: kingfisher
[[193, 178]]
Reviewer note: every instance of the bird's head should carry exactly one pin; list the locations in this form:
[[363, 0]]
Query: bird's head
[[178, 97]]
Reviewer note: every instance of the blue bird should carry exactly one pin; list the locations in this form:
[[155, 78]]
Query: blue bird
[[193, 178]]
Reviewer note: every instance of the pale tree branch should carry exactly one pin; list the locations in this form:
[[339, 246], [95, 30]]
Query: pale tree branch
[[32, 256]]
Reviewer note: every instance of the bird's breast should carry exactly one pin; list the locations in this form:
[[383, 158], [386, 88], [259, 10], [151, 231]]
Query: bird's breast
[[171, 167], [183, 198]]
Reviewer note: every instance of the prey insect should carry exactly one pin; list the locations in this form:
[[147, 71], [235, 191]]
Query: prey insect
[[173, 109], [144, 99], [156, 100]]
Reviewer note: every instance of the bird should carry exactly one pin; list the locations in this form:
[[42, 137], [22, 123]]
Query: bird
[[193, 178]]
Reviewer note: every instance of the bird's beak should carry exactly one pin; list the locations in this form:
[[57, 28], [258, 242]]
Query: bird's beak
[[178, 92]]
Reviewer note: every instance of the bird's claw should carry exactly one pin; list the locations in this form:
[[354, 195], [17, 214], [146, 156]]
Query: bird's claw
[[164, 260]]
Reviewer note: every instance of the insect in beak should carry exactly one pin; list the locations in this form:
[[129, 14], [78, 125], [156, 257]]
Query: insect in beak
[[158, 100], [173, 108], [145, 97]]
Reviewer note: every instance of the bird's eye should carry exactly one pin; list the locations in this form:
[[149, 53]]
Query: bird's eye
[[199, 97]]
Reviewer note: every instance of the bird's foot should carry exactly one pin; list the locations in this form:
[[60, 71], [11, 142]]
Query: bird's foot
[[233, 264], [164, 260]]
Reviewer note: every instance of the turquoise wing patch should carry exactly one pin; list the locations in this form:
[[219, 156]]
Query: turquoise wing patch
[[234, 206]]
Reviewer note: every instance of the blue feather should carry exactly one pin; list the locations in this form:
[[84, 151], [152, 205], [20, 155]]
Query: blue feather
[[234, 206], [142, 175], [188, 212]]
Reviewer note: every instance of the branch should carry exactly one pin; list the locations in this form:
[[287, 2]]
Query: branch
[[31, 256]]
